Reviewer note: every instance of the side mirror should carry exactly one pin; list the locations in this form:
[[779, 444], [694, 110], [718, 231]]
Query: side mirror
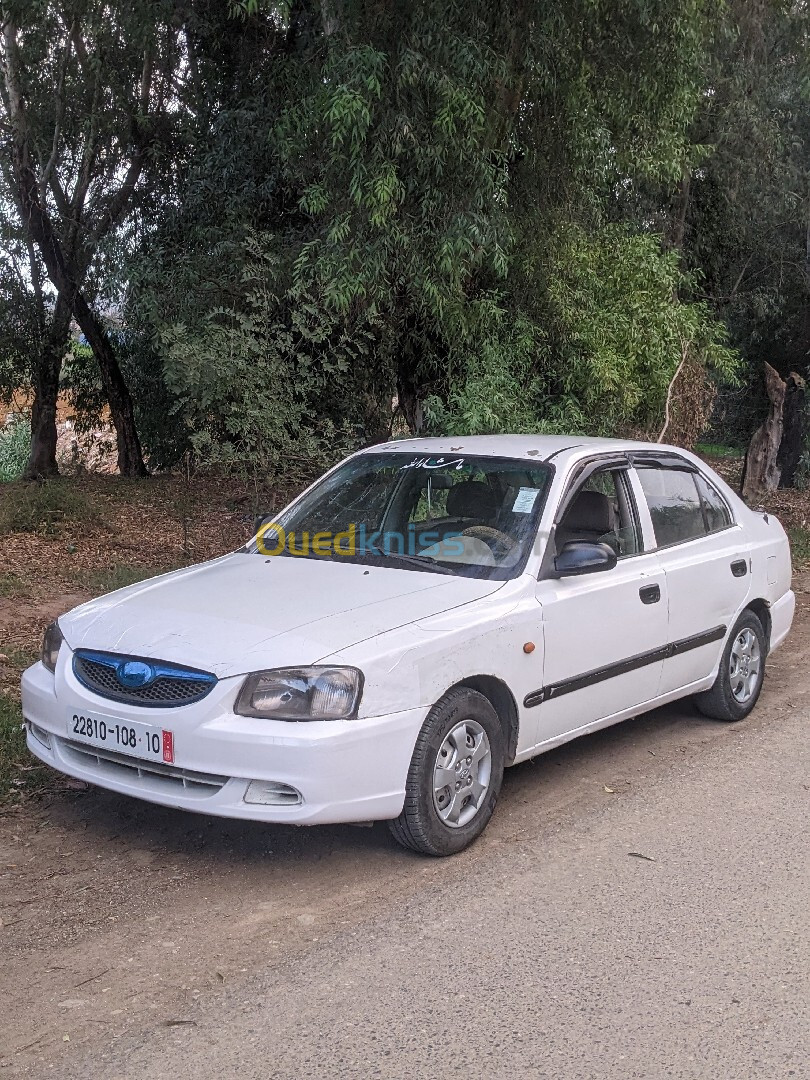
[[584, 557]]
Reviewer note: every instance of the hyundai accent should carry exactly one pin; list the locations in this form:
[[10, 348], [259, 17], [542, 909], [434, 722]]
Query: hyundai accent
[[428, 613]]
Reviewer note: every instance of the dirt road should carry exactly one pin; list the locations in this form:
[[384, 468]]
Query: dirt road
[[143, 943]]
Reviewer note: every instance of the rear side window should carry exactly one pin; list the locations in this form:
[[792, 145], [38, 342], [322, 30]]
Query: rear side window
[[675, 506], [714, 507]]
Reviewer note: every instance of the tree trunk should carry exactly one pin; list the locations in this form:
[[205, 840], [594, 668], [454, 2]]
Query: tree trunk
[[130, 454], [792, 446], [42, 458], [63, 275], [677, 229], [410, 390], [761, 472], [409, 403]]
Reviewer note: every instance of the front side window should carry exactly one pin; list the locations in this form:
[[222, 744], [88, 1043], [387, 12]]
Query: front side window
[[602, 511], [674, 503], [472, 516]]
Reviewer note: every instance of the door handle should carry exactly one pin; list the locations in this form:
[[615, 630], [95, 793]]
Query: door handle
[[739, 568], [650, 594]]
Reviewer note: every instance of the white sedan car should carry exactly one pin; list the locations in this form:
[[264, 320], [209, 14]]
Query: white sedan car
[[429, 612]]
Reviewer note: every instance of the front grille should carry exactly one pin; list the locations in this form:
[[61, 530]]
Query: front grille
[[109, 763], [167, 687]]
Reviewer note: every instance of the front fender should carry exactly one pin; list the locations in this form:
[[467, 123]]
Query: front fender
[[413, 666]]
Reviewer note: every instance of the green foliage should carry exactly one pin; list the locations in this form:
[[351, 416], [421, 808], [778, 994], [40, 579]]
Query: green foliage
[[494, 386], [91, 107], [607, 337], [745, 210], [20, 325], [619, 329], [247, 376], [802, 478], [500, 217], [385, 211], [15, 445], [43, 507]]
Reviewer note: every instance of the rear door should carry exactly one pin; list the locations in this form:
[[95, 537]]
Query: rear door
[[704, 555]]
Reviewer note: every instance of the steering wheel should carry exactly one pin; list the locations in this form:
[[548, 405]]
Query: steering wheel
[[498, 542]]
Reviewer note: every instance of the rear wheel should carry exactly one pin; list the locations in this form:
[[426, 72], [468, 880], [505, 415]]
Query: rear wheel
[[454, 777], [742, 669]]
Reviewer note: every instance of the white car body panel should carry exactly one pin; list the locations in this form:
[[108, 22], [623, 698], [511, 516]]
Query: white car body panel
[[577, 615], [245, 612], [414, 635]]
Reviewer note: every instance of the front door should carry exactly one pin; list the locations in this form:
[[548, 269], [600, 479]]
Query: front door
[[604, 633]]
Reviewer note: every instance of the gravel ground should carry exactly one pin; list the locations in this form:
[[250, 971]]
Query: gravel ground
[[142, 942]]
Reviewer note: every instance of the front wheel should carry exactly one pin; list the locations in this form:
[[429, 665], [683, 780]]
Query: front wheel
[[742, 669], [454, 777]]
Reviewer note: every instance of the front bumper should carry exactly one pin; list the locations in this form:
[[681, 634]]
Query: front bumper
[[344, 770]]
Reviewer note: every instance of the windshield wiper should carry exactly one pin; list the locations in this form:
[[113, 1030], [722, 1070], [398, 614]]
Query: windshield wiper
[[416, 560], [413, 560]]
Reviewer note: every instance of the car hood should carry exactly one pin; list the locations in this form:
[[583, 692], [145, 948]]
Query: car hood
[[244, 612]]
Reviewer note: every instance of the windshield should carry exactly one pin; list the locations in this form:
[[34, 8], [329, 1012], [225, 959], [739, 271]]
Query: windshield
[[472, 516]]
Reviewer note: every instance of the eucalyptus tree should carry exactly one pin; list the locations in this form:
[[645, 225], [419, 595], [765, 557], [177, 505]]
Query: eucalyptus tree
[[387, 201], [87, 98]]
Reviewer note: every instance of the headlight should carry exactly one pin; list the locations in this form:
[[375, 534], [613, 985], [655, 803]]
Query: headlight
[[51, 643], [306, 693]]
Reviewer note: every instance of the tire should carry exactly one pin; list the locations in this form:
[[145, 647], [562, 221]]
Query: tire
[[443, 821], [738, 684]]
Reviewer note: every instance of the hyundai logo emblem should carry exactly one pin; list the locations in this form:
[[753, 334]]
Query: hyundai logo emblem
[[134, 673]]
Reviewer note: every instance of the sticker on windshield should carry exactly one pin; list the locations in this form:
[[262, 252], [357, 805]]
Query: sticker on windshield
[[525, 500], [433, 463]]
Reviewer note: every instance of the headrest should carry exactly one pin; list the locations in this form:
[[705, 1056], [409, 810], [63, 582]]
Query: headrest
[[590, 511], [471, 499]]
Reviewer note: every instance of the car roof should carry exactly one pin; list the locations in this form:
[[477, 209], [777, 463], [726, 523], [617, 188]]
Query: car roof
[[532, 447]]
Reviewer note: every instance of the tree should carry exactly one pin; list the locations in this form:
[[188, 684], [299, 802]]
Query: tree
[[741, 213], [416, 181], [34, 336], [303, 213], [86, 93]]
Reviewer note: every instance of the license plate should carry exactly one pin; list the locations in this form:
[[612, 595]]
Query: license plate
[[126, 736]]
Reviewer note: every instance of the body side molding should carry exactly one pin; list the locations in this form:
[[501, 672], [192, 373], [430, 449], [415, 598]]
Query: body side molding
[[622, 667]]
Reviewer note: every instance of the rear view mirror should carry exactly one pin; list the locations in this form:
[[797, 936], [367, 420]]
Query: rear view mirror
[[584, 557]]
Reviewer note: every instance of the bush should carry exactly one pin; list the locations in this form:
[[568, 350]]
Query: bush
[[15, 446], [43, 507]]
